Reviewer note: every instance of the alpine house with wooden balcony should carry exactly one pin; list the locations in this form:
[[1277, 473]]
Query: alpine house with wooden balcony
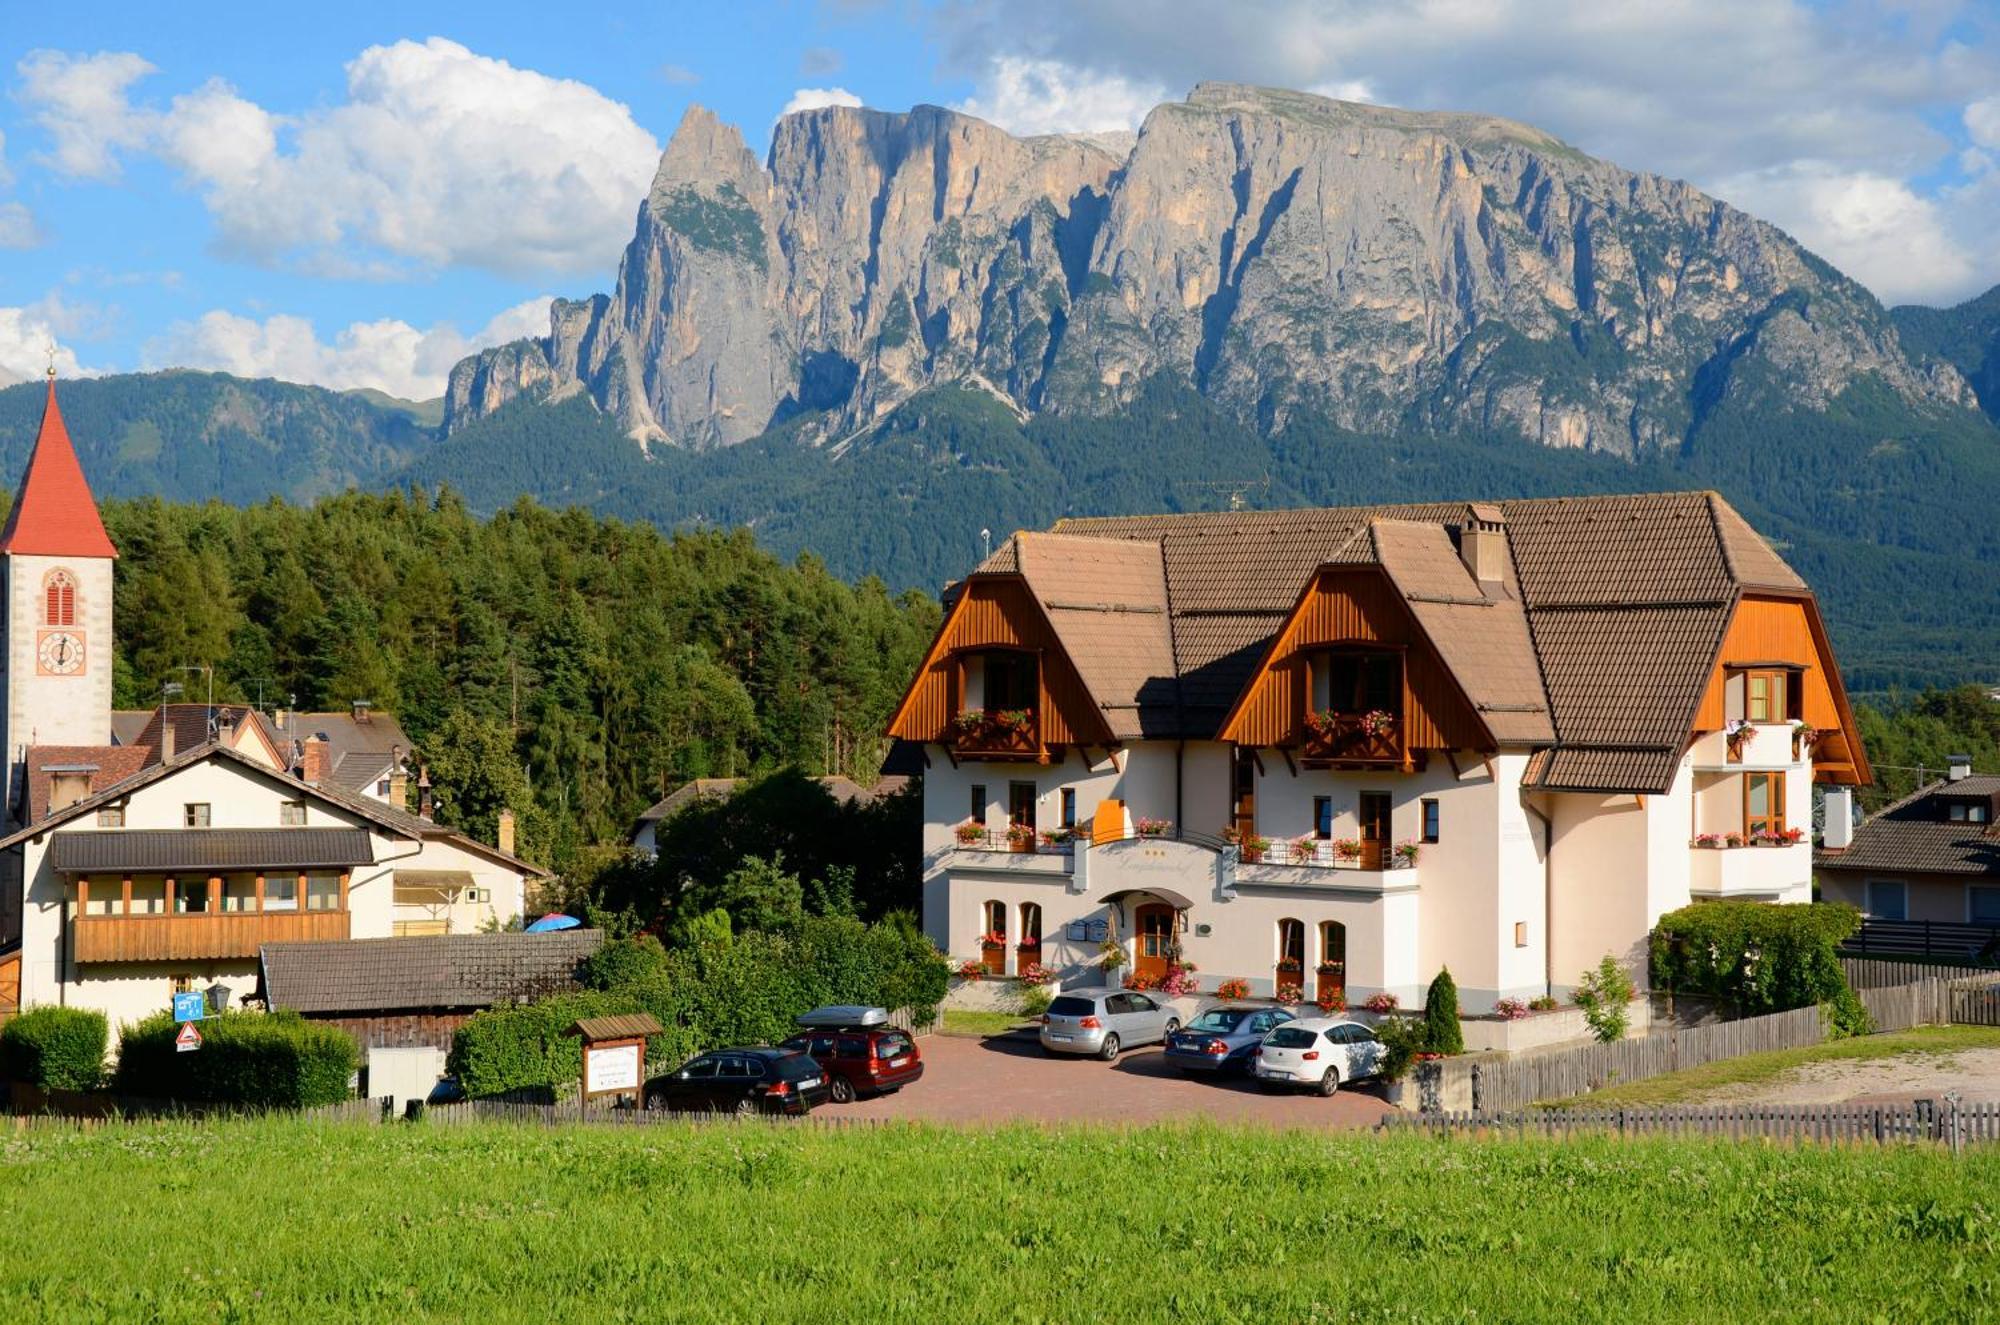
[[1336, 750]]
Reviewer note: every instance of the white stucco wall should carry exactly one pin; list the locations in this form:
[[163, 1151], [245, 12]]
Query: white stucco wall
[[53, 710], [238, 798]]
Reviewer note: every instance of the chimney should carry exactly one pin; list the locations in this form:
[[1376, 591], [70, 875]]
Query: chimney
[[313, 759], [67, 786], [506, 832], [225, 726], [399, 779], [166, 739], [362, 709], [1957, 767], [424, 806], [1482, 544], [1837, 822]]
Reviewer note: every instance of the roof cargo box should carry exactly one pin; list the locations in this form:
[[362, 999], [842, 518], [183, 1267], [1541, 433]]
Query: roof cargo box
[[843, 1015]]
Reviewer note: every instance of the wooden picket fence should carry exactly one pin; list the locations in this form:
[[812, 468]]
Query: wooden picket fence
[[1876, 972], [1950, 1122], [1975, 1004], [1515, 1083]]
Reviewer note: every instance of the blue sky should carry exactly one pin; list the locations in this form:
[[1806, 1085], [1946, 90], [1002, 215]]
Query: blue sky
[[359, 194]]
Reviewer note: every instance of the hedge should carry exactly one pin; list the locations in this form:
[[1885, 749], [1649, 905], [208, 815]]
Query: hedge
[[740, 990], [524, 1048], [1442, 1033], [1760, 957], [254, 1059], [56, 1048]]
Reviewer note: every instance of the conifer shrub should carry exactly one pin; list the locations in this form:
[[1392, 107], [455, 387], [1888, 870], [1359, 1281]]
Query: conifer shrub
[[1442, 1033], [56, 1048]]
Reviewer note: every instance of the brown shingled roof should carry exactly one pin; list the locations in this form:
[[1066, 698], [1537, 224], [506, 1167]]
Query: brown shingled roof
[[1600, 638], [439, 971], [1107, 599], [1914, 836]]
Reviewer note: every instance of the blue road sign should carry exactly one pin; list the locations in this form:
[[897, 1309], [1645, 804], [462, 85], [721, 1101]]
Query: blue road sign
[[190, 1007]]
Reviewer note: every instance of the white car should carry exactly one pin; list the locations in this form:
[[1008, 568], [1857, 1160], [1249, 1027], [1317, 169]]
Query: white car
[[1320, 1052]]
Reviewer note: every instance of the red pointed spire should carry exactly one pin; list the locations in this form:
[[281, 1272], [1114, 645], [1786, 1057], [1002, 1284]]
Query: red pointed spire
[[54, 514]]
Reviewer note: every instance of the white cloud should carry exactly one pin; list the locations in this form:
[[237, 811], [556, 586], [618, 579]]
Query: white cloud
[[17, 226], [812, 98], [1982, 121], [1348, 89], [6, 175], [1027, 96], [25, 337], [438, 157], [389, 354], [1874, 228], [83, 103]]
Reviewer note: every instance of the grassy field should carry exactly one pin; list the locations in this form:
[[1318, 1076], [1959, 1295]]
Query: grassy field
[[1753, 1069], [958, 1021], [286, 1220]]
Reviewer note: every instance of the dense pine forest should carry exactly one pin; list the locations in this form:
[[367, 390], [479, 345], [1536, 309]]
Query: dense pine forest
[[567, 664]]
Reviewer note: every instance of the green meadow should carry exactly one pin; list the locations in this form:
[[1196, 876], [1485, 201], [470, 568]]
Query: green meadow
[[288, 1220]]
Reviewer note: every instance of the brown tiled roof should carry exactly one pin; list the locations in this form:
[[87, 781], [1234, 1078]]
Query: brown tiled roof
[[441, 971], [843, 789], [190, 723], [113, 763], [359, 751], [1107, 599], [1914, 836], [1623, 601], [1483, 640]]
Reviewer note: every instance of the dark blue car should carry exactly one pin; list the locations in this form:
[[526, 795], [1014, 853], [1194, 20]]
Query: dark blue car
[[1223, 1039]]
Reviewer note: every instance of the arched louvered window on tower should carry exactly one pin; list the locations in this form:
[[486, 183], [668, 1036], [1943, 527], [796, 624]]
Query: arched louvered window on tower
[[59, 599]]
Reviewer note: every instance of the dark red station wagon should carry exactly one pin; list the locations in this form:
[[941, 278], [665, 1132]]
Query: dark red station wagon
[[861, 1052]]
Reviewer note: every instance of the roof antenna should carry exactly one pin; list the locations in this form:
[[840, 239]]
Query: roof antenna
[[985, 545], [1235, 491]]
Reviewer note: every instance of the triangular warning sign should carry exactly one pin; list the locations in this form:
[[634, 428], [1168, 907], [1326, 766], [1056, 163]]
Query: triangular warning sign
[[187, 1037]]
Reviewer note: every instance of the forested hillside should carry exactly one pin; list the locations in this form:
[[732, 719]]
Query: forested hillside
[[1886, 511], [566, 664], [189, 436]]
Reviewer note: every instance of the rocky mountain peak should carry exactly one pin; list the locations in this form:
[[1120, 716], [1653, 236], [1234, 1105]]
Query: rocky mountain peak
[[1386, 270]]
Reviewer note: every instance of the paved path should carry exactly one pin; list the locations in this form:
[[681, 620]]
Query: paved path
[[1003, 1079]]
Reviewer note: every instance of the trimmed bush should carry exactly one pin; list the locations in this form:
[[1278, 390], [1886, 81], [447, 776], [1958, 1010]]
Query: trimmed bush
[[1442, 1033], [622, 962], [56, 1048], [717, 992], [274, 1060], [524, 1048], [1760, 957]]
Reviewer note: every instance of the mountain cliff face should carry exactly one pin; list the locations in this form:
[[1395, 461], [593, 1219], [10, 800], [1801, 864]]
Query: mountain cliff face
[[1284, 254]]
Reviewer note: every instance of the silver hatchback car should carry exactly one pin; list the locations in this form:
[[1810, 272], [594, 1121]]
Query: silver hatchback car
[[1104, 1022]]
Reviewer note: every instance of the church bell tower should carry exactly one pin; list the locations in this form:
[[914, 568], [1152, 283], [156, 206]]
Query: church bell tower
[[55, 592]]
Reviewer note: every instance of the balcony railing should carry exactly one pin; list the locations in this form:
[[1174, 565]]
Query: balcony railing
[[200, 935], [997, 734], [1321, 854], [1353, 738]]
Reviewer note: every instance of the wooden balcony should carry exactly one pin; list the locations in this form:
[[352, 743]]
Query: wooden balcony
[[990, 738], [200, 935], [1345, 739]]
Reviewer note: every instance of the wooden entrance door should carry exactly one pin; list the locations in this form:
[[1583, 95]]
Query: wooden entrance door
[[1374, 828], [1153, 923], [1332, 971]]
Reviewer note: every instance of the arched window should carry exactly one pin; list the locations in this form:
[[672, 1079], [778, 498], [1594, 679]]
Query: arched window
[[993, 937], [1030, 942], [1332, 968], [1291, 954], [59, 598]]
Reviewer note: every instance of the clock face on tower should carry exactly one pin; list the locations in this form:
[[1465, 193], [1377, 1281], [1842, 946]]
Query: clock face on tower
[[59, 653]]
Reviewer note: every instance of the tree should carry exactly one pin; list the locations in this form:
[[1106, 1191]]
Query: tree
[[474, 776], [1442, 1034], [1605, 995]]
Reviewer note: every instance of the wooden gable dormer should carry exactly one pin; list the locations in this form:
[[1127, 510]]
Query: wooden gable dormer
[[1358, 609], [1781, 633], [997, 615]]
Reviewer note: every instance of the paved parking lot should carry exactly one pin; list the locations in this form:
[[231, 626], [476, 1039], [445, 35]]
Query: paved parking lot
[[1007, 1079]]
